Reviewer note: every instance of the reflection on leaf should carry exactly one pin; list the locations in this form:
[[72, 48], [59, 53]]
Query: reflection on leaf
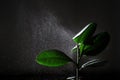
[[85, 33]]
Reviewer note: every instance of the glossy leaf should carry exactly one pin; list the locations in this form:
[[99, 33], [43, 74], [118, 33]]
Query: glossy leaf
[[52, 58], [94, 63], [96, 45], [85, 33], [74, 49], [71, 78], [81, 46], [99, 43]]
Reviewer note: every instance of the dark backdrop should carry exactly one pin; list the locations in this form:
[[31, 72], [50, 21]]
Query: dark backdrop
[[28, 27]]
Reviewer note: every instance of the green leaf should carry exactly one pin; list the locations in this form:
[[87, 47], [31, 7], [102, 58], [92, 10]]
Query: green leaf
[[74, 49], [95, 45], [94, 63], [81, 46], [99, 43], [85, 33], [52, 58]]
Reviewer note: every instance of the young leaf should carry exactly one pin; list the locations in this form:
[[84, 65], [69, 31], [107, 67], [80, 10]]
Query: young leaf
[[96, 45], [100, 42], [81, 47], [93, 63], [71, 78], [74, 49], [85, 33], [52, 58]]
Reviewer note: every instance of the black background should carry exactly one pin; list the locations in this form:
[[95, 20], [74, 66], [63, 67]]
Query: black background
[[28, 27]]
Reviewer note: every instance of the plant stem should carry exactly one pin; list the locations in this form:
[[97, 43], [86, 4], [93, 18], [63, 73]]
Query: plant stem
[[77, 59], [77, 74]]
